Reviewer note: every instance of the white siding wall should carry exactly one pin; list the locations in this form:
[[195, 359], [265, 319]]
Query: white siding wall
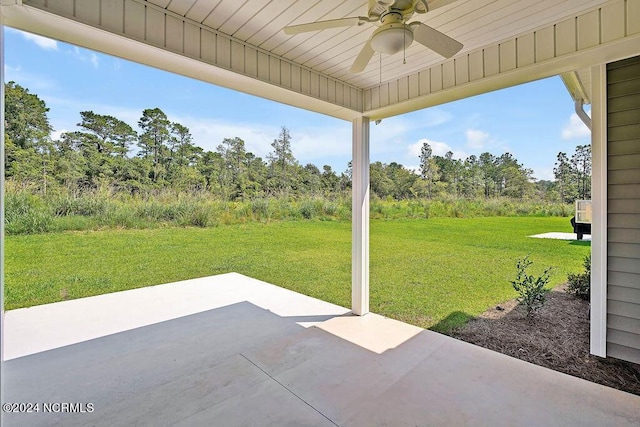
[[623, 201]]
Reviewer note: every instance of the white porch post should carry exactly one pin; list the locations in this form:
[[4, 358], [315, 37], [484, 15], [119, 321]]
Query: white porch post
[[360, 217], [598, 340]]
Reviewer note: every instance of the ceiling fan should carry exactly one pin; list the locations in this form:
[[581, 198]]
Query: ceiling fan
[[393, 35]]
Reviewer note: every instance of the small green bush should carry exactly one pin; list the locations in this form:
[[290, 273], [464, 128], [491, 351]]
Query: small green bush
[[530, 289], [261, 209], [330, 208], [580, 284], [200, 216], [307, 209]]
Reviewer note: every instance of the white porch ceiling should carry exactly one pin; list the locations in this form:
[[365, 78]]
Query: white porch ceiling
[[475, 23], [240, 44]]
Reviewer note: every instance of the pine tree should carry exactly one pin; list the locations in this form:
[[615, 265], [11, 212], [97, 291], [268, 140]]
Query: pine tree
[[281, 160]]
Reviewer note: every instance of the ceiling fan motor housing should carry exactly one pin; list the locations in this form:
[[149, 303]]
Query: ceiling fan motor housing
[[393, 36]]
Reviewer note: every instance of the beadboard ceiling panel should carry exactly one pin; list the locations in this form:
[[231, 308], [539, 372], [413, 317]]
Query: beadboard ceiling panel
[[240, 44], [475, 23]]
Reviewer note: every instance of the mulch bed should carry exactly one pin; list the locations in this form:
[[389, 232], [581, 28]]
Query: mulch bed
[[557, 337]]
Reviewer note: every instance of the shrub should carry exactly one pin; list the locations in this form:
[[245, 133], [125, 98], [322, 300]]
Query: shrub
[[330, 208], [307, 209], [530, 289], [261, 208], [580, 284], [200, 216]]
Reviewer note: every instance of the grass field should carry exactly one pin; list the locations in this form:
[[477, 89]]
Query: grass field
[[434, 273]]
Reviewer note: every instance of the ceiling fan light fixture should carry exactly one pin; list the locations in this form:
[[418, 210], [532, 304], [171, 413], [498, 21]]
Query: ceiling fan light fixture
[[391, 38]]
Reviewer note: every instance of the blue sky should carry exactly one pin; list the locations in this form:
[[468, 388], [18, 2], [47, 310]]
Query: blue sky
[[533, 121]]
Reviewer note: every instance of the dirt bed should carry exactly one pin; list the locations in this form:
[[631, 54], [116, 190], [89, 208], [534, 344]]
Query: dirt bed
[[557, 338]]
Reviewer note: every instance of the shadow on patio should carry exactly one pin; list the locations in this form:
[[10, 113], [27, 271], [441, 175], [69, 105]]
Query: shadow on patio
[[229, 350]]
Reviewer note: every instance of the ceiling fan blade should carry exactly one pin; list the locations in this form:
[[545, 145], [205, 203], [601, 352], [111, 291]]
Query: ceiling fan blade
[[363, 58], [323, 25], [438, 42]]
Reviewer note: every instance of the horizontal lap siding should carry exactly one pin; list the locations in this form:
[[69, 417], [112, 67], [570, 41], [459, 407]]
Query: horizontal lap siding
[[623, 201]]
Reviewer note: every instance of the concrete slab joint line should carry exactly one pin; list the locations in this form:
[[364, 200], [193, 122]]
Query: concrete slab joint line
[[289, 390]]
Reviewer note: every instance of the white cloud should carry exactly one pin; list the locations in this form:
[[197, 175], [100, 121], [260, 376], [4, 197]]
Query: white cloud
[[85, 56], [414, 169], [43, 42], [209, 133], [391, 130], [435, 117], [575, 128], [439, 149], [55, 135], [477, 138], [544, 174], [128, 115], [307, 143]]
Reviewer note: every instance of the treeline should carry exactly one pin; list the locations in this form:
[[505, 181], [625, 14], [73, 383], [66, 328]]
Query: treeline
[[105, 153]]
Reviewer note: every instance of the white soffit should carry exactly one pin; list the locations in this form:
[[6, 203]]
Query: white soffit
[[578, 84]]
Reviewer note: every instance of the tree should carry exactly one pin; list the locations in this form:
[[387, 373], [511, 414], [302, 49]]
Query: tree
[[26, 121], [95, 165], [281, 159], [27, 138], [514, 179], [154, 139], [380, 183], [428, 167], [310, 179], [181, 148], [233, 172], [402, 179], [450, 172], [581, 163], [113, 136], [329, 180], [563, 173], [256, 175], [210, 166], [487, 163], [472, 180]]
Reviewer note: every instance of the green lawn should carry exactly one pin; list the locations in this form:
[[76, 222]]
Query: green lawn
[[433, 273]]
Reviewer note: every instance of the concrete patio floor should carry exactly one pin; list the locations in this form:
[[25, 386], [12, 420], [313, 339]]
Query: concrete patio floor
[[233, 351]]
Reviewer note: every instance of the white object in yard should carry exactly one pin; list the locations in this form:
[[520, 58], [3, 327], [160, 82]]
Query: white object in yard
[[583, 211], [560, 236]]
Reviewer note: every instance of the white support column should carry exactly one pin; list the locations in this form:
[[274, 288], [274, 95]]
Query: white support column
[[360, 217], [599, 215]]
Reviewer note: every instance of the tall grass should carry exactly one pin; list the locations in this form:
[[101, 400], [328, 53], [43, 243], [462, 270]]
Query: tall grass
[[465, 208], [28, 213]]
